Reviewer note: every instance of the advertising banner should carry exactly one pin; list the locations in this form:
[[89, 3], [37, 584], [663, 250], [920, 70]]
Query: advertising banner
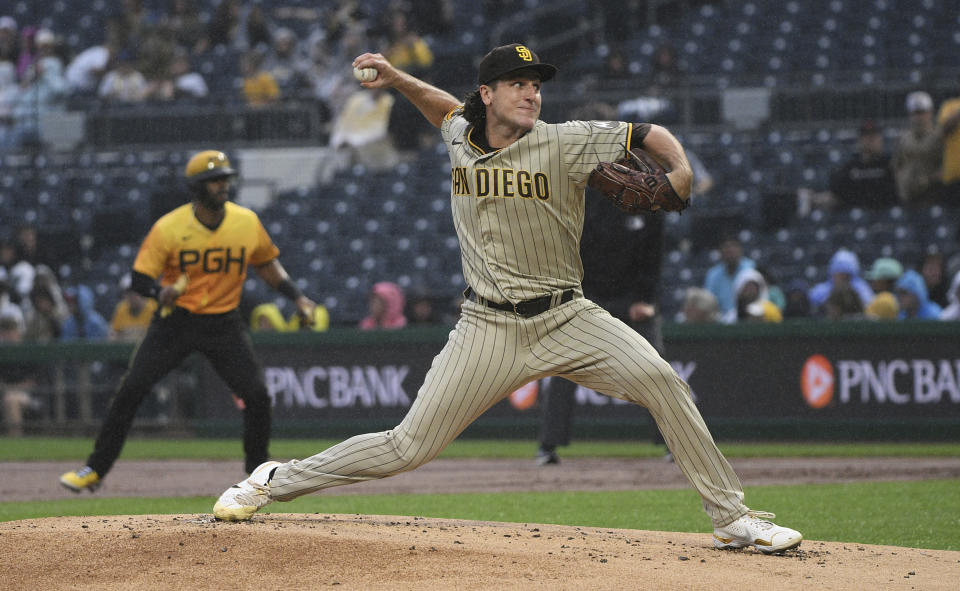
[[853, 377]]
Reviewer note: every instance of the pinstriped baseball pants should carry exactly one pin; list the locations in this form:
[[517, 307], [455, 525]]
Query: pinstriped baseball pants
[[490, 354]]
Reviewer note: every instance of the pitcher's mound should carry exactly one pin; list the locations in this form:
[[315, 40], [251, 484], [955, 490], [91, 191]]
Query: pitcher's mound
[[297, 551]]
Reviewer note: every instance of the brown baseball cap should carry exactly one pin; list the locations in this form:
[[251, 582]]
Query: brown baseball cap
[[510, 58]]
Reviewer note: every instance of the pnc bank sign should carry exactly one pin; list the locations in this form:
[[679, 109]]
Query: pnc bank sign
[[869, 382]]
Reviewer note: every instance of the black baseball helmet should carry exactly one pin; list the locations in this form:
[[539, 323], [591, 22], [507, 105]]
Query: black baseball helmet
[[206, 166]]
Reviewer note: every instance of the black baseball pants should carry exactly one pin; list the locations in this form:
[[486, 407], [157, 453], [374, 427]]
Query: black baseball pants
[[224, 341]]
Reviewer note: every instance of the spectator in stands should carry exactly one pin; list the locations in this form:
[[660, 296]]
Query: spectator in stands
[[259, 87], [257, 29], [155, 51], [9, 308], [16, 381], [137, 19], [83, 321], [9, 90], [44, 321], [28, 245], [843, 303], [286, 64], [844, 271], [699, 307], [883, 307], [123, 84], [11, 331], [774, 291], [753, 300], [386, 307], [46, 280], [408, 51], [952, 311], [43, 89], [883, 275], [341, 17], [919, 154], [948, 119], [665, 70], [28, 51], [362, 129], [132, 314], [179, 83], [9, 44], [86, 70], [187, 84], [17, 271], [616, 66], [224, 25], [45, 42], [330, 73], [328, 78], [912, 294], [420, 309], [183, 22], [720, 277], [935, 277], [797, 302], [866, 178]]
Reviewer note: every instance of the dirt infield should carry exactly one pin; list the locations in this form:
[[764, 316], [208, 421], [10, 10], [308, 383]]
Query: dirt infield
[[290, 551], [295, 551]]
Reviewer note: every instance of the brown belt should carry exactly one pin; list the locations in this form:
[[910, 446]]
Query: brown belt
[[526, 308]]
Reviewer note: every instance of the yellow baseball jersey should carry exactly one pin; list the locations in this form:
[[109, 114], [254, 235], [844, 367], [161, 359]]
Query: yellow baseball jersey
[[215, 261], [518, 211]]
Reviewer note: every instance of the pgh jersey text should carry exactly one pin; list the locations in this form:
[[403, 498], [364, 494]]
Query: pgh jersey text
[[215, 261]]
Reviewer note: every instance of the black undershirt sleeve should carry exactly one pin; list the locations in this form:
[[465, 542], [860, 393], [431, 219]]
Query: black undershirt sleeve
[[143, 284], [640, 131]]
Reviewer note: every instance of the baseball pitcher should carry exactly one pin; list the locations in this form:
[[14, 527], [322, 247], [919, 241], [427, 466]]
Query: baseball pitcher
[[517, 191]]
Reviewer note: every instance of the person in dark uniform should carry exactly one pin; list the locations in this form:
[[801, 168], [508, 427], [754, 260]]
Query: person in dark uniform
[[627, 285], [201, 252]]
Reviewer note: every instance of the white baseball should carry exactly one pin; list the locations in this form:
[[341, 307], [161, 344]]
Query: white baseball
[[365, 74]]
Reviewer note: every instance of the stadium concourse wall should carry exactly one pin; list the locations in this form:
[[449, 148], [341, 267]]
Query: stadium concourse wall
[[798, 381]]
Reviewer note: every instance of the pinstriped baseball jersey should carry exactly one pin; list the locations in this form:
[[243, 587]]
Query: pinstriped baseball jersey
[[518, 211]]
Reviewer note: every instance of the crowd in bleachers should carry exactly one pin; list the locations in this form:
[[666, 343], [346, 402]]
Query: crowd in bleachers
[[773, 190]]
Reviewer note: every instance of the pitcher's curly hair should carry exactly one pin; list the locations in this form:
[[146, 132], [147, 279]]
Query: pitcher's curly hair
[[474, 111]]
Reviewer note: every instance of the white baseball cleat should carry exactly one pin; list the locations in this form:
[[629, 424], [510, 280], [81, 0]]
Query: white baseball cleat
[[753, 529], [243, 499]]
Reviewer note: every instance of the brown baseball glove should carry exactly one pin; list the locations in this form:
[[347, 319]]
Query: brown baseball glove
[[636, 183]]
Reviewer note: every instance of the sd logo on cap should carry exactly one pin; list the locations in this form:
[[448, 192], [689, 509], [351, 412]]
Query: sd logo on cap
[[510, 58]]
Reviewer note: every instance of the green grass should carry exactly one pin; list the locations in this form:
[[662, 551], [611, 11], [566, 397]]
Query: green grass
[[910, 514], [923, 514], [66, 449]]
